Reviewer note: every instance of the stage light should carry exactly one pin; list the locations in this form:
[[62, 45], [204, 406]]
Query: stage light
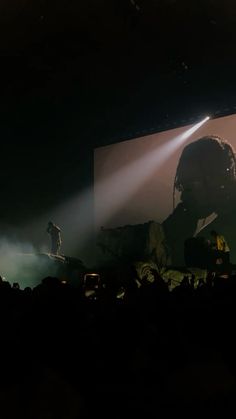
[[195, 127], [115, 191]]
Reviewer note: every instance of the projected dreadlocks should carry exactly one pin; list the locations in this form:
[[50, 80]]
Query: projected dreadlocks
[[206, 180], [205, 174]]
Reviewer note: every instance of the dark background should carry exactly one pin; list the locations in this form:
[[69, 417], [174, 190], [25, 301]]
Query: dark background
[[79, 74]]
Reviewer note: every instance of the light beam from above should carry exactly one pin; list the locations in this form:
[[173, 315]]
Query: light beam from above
[[115, 191]]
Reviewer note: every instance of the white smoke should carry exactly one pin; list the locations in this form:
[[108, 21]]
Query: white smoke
[[20, 262]]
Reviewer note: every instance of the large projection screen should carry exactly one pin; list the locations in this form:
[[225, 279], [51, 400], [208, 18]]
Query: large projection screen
[[134, 183], [130, 188]]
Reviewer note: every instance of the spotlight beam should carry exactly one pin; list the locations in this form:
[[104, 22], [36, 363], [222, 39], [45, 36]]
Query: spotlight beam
[[114, 192]]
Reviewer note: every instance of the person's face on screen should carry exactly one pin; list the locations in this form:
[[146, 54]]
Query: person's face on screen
[[204, 192], [206, 176]]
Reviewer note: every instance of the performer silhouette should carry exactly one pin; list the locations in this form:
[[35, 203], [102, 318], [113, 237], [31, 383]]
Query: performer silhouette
[[55, 234]]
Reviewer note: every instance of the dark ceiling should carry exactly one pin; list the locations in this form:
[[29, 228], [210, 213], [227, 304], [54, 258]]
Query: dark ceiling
[[121, 63], [78, 74]]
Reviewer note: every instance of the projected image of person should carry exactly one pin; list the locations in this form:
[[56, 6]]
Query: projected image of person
[[206, 181], [55, 233]]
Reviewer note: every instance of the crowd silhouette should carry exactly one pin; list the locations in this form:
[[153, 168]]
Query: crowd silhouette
[[115, 345]]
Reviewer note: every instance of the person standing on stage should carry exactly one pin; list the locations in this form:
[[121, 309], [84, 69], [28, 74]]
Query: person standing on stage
[[221, 247], [55, 234]]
